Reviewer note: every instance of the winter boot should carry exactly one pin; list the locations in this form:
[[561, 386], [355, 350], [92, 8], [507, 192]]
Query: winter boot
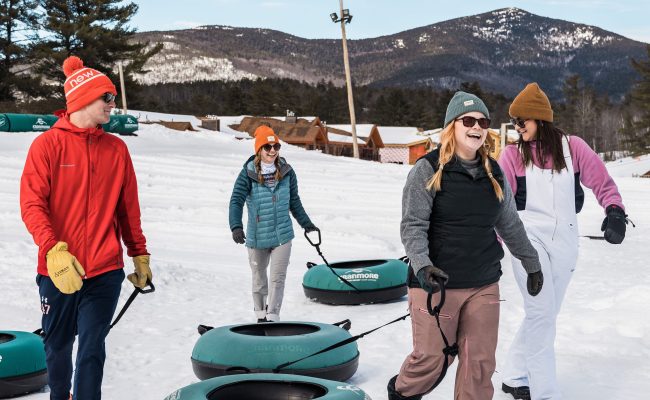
[[262, 320], [394, 394], [518, 392]]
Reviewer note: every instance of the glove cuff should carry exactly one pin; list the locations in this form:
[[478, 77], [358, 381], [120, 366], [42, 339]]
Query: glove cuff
[[59, 246], [614, 209]]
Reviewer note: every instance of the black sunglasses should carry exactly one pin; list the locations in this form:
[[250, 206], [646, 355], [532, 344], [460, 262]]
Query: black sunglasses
[[469, 122], [108, 97], [267, 147], [520, 122]]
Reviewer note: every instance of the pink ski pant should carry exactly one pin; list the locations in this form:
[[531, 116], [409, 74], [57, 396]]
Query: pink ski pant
[[469, 317]]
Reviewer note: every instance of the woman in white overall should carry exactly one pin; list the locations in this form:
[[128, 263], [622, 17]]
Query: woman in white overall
[[545, 169]]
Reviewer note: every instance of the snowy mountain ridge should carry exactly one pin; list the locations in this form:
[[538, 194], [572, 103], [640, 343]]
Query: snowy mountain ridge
[[502, 50]]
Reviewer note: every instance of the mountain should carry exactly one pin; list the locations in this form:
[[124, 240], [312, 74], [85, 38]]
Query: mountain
[[502, 50]]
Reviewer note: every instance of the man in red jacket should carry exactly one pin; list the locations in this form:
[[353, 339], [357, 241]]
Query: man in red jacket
[[78, 198]]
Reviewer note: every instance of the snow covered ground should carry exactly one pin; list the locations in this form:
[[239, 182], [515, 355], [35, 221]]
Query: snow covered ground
[[201, 276]]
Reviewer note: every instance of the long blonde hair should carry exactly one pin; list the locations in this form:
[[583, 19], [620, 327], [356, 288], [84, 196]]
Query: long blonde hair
[[257, 161], [448, 152]]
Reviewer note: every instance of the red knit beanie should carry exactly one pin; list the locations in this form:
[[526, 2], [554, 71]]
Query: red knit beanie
[[83, 85], [264, 135]]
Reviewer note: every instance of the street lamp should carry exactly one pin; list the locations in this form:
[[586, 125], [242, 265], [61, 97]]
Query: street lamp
[[346, 17]]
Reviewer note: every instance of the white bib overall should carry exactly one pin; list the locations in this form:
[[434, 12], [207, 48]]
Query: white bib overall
[[551, 223]]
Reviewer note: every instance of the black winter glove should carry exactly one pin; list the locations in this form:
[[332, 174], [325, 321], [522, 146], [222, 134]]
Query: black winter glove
[[428, 278], [535, 282], [238, 236], [311, 228], [614, 224]]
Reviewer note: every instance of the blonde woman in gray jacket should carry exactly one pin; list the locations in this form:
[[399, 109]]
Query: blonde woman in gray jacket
[[454, 199]]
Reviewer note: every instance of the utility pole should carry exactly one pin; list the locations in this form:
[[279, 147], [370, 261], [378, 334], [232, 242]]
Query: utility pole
[[122, 88], [346, 17]]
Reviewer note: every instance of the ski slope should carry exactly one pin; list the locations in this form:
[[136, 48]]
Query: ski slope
[[202, 276]]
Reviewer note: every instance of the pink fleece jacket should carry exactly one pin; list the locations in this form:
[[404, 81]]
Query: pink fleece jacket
[[593, 173]]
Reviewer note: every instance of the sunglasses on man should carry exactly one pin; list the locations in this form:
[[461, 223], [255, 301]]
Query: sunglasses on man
[[520, 122], [469, 122], [267, 147], [108, 97]]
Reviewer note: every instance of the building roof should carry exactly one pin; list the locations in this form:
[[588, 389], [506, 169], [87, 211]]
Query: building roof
[[397, 136], [367, 135], [302, 132]]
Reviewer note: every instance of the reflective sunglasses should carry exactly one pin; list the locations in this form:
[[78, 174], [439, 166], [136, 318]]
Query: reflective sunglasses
[[108, 97], [469, 122], [520, 122], [267, 147]]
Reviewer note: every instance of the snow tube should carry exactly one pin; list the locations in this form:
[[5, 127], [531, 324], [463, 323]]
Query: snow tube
[[263, 347], [121, 124], [376, 280], [268, 387], [26, 122], [22, 363]]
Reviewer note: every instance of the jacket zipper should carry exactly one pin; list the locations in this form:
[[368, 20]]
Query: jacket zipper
[[88, 143]]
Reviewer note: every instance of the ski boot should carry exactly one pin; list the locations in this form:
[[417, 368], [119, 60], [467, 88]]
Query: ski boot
[[518, 392]]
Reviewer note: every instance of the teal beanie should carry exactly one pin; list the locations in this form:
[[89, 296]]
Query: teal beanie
[[463, 103]]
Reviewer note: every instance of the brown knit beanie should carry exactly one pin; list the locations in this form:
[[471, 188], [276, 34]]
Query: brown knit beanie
[[532, 103]]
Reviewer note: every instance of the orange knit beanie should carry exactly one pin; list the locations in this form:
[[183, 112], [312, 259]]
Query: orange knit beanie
[[264, 135], [83, 85], [532, 103]]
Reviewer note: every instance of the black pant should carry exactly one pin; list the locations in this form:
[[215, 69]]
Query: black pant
[[87, 313]]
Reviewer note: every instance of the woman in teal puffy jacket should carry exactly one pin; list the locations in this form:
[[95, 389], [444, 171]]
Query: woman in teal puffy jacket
[[269, 187]]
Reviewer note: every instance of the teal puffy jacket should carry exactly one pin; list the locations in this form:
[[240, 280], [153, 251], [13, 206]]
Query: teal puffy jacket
[[269, 224]]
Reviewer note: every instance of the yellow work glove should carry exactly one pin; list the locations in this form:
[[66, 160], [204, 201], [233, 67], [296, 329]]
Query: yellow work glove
[[64, 269], [142, 272]]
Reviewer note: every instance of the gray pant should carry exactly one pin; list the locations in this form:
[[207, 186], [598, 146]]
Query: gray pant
[[258, 259]]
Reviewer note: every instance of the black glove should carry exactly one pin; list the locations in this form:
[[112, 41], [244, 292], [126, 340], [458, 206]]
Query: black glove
[[311, 228], [535, 282], [428, 278], [238, 236], [614, 224]]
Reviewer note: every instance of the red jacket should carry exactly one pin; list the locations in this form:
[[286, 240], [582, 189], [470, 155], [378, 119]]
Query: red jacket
[[79, 187]]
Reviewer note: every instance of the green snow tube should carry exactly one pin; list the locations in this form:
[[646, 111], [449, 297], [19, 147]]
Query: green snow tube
[[26, 122], [377, 281], [260, 348], [268, 387], [22, 363], [121, 124]]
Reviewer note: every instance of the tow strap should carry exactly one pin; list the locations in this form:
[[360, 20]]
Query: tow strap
[[40, 332], [317, 246], [449, 350], [132, 297]]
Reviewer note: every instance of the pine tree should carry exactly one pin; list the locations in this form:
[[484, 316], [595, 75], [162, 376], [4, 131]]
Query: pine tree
[[641, 98], [18, 18], [97, 32]]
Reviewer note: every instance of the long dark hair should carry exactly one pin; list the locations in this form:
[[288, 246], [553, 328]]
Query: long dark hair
[[549, 143]]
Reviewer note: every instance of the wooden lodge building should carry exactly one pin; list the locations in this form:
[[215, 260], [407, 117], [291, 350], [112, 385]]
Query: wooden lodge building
[[314, 135]]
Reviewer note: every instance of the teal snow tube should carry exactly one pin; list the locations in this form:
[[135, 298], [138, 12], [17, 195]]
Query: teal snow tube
[[121, 124], [268, 387], [22, 363], [260, 348], [376, 281], [26, 122]]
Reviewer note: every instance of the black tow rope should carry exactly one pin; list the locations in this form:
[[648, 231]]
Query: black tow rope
[[346, 325], [435, 312], [448, 350], [40, 332], [317, 246], [135, 293]]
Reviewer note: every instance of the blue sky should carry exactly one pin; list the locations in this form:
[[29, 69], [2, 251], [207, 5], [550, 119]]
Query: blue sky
[[372, 18]]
